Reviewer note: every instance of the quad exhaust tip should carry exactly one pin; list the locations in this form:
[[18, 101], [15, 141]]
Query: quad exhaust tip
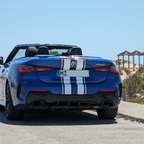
[[106, 104]]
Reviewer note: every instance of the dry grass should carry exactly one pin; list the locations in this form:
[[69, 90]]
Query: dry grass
[[136, 100], [135, 84], [133, 119]]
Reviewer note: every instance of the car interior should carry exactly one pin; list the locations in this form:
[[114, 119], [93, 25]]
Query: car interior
[[44, 50]]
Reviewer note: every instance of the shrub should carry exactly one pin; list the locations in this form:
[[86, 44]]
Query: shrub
[[125, 69], [125, 61], [134, 84]]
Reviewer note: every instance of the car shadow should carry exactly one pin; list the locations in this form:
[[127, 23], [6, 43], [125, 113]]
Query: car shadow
[[56, 118]]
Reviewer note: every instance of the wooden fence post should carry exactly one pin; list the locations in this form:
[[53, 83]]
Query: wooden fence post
[[124, 94]]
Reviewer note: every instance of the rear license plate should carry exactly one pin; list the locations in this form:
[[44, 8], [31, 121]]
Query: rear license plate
[[73, 73]]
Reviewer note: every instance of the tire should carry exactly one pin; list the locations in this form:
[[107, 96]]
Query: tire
[[11, 112], [2, 107], [107, 113]]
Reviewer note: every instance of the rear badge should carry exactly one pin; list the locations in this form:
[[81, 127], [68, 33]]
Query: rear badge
[[100, 64], [73, 64]]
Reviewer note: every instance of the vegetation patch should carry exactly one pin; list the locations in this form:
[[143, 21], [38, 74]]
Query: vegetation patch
[[136, 100], [135, 84], [133, 119], [121, 72], [127, 71]]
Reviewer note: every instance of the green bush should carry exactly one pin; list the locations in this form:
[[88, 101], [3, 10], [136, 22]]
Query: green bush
[[134, 84], [125, 61], [124, 69]]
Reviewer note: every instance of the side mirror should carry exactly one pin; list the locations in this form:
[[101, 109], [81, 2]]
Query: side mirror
[[1, 60]]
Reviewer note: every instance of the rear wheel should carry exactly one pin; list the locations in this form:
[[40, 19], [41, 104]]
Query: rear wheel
[[107, 113], [11, 112]]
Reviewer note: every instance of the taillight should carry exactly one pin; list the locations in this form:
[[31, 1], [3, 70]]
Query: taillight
[[28, 69], [25, 69], [101, 69], [43, 69], [112, 69]]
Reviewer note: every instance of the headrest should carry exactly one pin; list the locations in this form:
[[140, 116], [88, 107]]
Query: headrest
[[43, 50], [75, 51], [31, 51]]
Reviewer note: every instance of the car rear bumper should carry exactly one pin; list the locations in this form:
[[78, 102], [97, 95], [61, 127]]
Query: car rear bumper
[[47, 100]]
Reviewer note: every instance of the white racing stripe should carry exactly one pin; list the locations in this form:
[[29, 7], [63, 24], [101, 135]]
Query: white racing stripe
[[67, 63], [68, 89], [66, 80], [80, 85], [79, 64], [84, 78], [80, 81], [61, 77]]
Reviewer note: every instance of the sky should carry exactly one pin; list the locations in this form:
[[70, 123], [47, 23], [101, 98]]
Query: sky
[[102, 28]]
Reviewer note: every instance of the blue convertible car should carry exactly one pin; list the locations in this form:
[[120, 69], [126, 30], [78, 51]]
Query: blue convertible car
[[56, 77]]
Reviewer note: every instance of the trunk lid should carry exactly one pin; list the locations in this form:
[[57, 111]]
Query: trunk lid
[[73, 70]]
